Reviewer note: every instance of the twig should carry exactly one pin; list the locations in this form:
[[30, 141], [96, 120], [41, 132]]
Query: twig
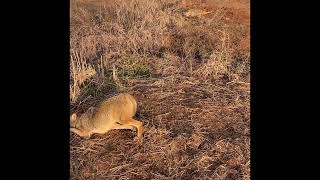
[[115, 169]]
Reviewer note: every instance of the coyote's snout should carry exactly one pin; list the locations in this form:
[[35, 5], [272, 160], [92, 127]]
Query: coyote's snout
[[114, 113]]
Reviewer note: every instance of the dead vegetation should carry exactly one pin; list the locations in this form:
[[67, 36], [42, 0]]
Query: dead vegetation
[[190, 75]]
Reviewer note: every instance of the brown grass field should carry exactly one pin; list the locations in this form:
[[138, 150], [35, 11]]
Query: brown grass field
[[188, 65]]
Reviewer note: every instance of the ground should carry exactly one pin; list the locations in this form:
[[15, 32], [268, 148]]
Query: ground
[[188, 65]]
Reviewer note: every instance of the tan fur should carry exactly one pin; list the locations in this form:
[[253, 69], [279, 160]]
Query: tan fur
[[114, 113]]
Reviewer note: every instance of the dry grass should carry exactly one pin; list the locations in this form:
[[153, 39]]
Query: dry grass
[[190, 75]]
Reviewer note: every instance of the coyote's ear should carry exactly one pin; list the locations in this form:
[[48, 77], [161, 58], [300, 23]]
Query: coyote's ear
[[73, 119]]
